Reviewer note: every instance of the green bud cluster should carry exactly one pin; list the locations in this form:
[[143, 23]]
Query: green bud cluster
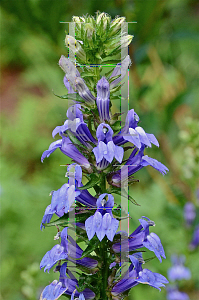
[[98, 39]]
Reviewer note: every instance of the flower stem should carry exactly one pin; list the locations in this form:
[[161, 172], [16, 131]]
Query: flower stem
[[104, 270]]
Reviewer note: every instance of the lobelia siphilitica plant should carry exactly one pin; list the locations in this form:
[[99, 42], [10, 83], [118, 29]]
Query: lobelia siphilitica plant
[[97, 142]]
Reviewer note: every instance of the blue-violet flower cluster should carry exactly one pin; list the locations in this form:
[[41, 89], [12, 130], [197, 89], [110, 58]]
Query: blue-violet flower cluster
[[97, 142]]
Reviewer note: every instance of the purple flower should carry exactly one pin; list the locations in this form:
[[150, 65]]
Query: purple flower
[[75, 117], [120, 69], [57, 253], [155, 280], [53, 291], [106, 150], [102, 222], [47, 216], [76, 125], [136, 275], [135, 240], [153, 243], [68, 249], [195, 239], [67, 285], [189, 213], [174, 294], [133, 133], [77, 83], [103, 99], [141, 238], [63, 198], [69, 150], [136, 161], [178, 271]]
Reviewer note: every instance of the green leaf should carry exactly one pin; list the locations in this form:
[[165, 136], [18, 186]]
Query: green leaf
[[87, 74], [93, 244], [113, 78], [118, 192], [94, 179], [63, 221], [76, 97]]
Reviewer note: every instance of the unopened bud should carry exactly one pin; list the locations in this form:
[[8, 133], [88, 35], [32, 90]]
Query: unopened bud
[[75, 47], [89, 30], [126, 40], [76, 19], [77, 22], [104, 18], [116, 24]]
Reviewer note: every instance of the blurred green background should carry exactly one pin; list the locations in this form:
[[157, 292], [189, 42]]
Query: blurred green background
[[164, 88]]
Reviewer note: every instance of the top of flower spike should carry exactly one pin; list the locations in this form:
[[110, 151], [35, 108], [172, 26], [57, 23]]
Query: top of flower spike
[[97, 39]]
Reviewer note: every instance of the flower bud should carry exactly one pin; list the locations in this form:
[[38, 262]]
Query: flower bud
[[103, 99], [126, 40], [104, 18], [75, 47], [77, 22], [76, 19], [89, 30], [116, 24]]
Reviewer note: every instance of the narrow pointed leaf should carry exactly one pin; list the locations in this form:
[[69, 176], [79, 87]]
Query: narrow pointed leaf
[[94, 179]]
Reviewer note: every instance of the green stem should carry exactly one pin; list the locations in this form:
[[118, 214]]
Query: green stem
[[104, 270], [97, 72], [103, 182]]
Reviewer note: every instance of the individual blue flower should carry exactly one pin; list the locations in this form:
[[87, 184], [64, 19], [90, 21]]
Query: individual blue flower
[[77, 83], [153, 243], [102, 222], [77, 126], [66, 146], [195, 239], [155, 280], [136, 161], [128, 280], [103, 99], [63, 198], [47, 216], [135, 240], [106, 150], [141, 238], [58, 252], [133, 133], [178, 271], [75, 117], [66, 285], [174, 294], [53, 291], [189, 213], [68, 249], [136, 275]]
